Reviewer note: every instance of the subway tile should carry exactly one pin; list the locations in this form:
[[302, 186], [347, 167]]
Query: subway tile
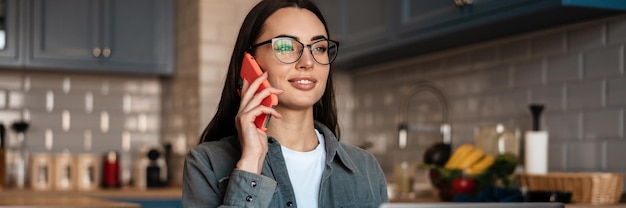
[[562, 126], [616, 31], [74, 102], [514, 103], [3, 99], [82, 120], [552, 97], [563, 68], [10, 81], [46, 81], [464, 109], [141, 140], [585, 156], [489, 107], [604, 124], [514, 50], [584, 95], [585, 38], [602, 63], [7, 117], [615, 154], [456, 62], [16, 100], [106, 141], [528, 73], [141, 104], [112, 103], [553, 43], [483, 56], [42, 118], [556, 156]]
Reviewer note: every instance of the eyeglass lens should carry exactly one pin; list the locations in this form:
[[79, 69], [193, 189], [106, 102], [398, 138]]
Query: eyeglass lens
[[288, 50]]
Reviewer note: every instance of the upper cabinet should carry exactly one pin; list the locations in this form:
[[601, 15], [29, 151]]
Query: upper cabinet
[[10, 32], [128, 36], [376, 31], [119, 36]]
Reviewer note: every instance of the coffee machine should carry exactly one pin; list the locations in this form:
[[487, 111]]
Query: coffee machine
[[150, 168]]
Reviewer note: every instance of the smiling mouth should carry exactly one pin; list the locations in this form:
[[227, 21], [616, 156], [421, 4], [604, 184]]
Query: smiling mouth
[[304, 81]]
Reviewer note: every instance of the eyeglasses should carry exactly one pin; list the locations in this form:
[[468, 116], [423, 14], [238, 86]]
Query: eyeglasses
[[288, 50]]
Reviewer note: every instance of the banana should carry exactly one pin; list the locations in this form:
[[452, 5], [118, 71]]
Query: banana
[[480, 166], [471, 158], [459, 154]]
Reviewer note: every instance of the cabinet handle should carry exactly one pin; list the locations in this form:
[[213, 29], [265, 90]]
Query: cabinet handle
[[106, 52], [96, 52]]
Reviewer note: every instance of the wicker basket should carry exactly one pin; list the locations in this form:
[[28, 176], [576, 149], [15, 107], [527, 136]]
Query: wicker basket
[[593, 188]]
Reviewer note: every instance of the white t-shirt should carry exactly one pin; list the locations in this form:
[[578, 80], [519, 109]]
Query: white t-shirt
[[305, 172]]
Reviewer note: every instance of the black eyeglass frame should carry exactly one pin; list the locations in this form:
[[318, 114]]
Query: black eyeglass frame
[[252, 48]]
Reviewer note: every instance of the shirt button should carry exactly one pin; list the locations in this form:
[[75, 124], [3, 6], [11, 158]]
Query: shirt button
[[289, 204], [253, 184], [249, 198]]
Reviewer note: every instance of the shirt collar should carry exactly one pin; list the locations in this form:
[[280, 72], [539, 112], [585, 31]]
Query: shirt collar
[[334, 148]]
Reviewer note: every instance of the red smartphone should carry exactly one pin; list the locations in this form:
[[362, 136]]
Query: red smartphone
[[250, 71]]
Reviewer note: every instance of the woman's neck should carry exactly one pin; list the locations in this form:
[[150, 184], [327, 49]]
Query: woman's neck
[[295, 130]]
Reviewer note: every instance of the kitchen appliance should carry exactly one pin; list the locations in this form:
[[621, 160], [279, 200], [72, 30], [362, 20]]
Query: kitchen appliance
[[63, 171], [18, 154], [150, 168], [111, 170], [87, 172], [41, 172]]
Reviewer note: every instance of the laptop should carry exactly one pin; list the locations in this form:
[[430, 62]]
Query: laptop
[[474, 205]]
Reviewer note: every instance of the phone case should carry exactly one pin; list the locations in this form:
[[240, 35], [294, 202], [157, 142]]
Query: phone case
[[250, 71]]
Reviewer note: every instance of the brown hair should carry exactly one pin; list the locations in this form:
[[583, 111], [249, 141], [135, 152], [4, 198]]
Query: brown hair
[[223, 123]]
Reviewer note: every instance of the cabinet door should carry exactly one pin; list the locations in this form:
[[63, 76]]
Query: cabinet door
[[65, 34], [10, 26], [139, 36], [425, 16]]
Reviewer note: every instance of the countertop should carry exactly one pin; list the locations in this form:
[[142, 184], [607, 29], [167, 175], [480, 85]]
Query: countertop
[[432, 199], [97, 198]]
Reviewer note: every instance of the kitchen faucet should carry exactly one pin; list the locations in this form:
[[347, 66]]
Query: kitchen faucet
[[404, 128]]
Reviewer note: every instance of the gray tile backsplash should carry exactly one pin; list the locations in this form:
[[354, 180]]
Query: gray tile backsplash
[[576, 70], [69, 105]]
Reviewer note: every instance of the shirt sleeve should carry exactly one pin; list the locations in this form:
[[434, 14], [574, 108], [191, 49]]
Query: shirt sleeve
[[247, 189], [201, 186]]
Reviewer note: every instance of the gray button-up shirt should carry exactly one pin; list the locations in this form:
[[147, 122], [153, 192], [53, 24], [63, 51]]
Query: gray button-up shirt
[[352, 177]]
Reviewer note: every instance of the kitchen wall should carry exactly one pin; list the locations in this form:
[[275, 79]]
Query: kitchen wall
[[576, 70], [82, 113]]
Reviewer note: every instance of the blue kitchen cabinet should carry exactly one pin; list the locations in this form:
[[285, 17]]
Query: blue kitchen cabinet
[[11, 33], [120, 36], [377, 31]]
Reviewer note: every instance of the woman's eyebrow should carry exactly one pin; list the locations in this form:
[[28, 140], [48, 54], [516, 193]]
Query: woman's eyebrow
[[319, 37], [286, 36]]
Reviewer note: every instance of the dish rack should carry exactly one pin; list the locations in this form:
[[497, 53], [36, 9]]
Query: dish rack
[[590, 188]]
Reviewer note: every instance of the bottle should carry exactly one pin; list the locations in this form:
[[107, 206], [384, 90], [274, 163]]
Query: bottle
[[2, 155]]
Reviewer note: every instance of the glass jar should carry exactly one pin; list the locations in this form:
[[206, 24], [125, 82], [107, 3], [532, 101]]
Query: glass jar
[[497, 139]]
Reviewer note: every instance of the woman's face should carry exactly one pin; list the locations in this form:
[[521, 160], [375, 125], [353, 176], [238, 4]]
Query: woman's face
[[303, 81]]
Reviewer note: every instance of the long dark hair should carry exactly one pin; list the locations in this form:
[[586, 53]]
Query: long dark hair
[[223, 123]]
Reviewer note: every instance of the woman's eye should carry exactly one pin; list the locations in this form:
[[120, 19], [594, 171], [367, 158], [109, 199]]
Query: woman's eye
[[320, 49], [284, 46]]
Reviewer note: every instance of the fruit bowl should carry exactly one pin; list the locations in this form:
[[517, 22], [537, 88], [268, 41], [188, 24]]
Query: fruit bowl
[[468, 171]]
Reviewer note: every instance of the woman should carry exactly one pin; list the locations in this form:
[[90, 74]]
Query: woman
[[299, 159]]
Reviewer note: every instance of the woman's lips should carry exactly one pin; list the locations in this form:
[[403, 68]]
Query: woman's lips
[[303, 83]]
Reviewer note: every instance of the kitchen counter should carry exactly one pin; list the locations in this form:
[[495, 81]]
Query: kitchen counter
[[97, 198], [431, 199]]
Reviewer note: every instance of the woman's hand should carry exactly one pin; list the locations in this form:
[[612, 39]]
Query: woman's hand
[[253, 140]]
